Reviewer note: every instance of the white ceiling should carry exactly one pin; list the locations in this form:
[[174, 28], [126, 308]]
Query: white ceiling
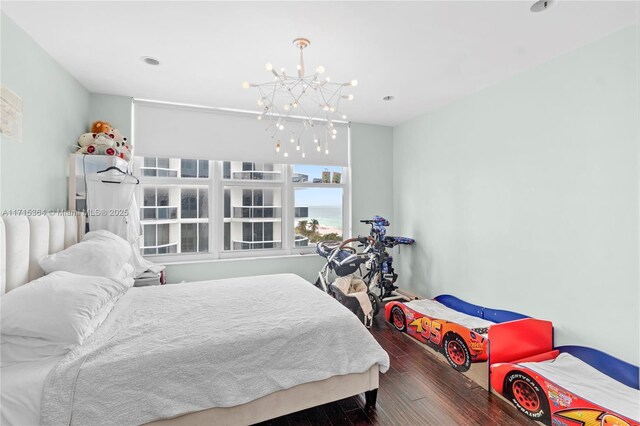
[[426, 54]]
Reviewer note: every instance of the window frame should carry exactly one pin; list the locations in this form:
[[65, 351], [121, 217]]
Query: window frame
[[216, 183]]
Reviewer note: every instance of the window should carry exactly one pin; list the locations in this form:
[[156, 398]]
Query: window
[[316, 174], [318, 204], [254, 216], [194, 202], [157, 239], [156, 204], [194, 237], [175, 205], [233, 208], [252, 171], [160, 167], [194, 168], [318, 215]]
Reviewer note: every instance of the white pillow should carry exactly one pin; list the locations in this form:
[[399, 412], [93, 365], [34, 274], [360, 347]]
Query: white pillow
[[127, 271], [100, 253], [59, 307], [15, 349]]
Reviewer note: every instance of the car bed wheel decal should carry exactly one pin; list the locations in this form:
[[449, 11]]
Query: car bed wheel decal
[[526, 395], [398, 318], [456, 352]]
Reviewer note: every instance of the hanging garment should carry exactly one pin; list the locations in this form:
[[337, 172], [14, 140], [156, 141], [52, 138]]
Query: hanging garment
[[112, 207], [134, 233], [108, 206]]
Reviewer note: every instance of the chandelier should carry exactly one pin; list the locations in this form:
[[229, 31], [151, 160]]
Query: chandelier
[[301, 107]]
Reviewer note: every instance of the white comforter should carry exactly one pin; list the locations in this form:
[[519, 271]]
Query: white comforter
[[169, 350], [585, 381]]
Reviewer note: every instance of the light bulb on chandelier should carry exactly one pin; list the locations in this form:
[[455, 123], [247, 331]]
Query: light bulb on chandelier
[[305, 103]]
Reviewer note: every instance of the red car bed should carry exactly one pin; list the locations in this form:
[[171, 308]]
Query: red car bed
[[466, 333], [571, 386]]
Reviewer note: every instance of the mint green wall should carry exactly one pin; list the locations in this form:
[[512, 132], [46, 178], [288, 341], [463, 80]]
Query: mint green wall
[[33, 173], [524, 196], [371, 176], [113, 109]]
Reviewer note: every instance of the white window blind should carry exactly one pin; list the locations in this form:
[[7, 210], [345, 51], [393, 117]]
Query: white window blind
[[176, 131]]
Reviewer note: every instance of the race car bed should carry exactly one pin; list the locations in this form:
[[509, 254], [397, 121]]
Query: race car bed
[[571, 385], [467, 333]]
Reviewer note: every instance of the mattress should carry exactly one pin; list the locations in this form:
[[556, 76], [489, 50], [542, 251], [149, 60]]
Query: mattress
[[436, 309], [168, 350], [583, 380]]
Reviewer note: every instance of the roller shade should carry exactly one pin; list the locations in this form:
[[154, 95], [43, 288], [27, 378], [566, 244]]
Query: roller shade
[[176, 131]]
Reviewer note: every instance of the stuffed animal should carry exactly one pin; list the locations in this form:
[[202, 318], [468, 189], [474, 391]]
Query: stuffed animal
[[117, 136], [101, 127], [104, 140], [95, 144], [86, 139], [87, 149], [122, 145], [123, 152], [95, 139], [94, 149]]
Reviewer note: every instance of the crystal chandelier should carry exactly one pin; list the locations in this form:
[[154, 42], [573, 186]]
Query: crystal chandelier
[[301, 108]]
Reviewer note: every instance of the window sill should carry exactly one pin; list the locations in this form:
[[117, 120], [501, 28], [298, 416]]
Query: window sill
[[194, 260]]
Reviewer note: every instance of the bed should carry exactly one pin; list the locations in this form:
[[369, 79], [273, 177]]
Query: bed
[[467, 334], [571, 385], [299, 359]]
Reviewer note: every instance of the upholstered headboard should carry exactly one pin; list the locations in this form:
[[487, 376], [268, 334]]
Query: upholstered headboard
[[24, 240]]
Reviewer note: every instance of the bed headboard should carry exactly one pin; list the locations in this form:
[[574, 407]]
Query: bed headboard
[[24, 240]]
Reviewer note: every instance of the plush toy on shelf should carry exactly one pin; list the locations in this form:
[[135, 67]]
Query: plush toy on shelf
[[104, 140], [101, 127], [122, 146], [94, 143]]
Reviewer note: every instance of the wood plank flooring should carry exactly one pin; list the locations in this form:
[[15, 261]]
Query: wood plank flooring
[[418, 389]]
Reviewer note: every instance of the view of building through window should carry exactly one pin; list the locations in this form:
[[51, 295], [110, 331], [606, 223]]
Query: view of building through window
[[176, 211], [318, 210], [174, 217], [252, 215]]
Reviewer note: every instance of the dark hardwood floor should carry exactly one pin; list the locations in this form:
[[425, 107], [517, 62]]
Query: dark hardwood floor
[[418, 389]]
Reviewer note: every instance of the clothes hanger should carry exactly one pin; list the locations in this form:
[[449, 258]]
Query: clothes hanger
[[118, 169]]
